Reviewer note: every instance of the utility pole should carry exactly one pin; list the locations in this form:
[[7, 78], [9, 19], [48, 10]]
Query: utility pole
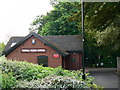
[[83, 63]]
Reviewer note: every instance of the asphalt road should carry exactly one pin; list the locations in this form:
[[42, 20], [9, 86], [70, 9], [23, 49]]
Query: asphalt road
[[106, 78]]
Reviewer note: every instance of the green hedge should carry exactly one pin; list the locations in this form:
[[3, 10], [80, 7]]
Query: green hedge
[[17, 71]]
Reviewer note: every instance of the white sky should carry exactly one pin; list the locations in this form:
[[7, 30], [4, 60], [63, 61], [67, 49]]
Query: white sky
[[17, 15]]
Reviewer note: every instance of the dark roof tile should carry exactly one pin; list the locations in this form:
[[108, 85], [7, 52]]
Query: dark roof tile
[[62, 43], [67, 42], [12, 40]]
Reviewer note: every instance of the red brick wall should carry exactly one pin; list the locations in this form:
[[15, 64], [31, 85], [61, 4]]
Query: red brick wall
[[32, 57], [69, 64]]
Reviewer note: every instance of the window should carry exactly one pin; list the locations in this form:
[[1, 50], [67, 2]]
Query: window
[[42, 60], [13, 44], [73, 59], [56, 56], [33, 41]]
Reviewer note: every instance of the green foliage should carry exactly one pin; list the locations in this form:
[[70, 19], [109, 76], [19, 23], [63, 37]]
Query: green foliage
[[62, 82], [109, 37], [101, 31], [2, 45], [28, 84], [56, 22], [0, 79], [24, 70], [17, 73], [104, 19], [8, 80], [102, 14], [96, 54], [98, 15], [56, 82]]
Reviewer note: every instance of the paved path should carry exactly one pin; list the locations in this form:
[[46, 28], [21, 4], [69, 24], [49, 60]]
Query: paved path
[[107, 78]]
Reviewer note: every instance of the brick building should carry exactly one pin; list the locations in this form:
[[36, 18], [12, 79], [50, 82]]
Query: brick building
[[52, 51]]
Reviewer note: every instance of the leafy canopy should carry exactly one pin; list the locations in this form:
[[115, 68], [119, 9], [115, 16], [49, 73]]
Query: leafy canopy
[[56, 22]]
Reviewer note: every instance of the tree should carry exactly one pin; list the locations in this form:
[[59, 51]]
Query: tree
[[110, 36], [101, 30], [2, 46], [105, 19], [56, 22]]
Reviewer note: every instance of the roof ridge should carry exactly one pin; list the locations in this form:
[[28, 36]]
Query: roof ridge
[[61, 35], [55, 44], [41, 38]]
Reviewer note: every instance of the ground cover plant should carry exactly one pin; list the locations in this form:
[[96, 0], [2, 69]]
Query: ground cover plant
[[18, 74]]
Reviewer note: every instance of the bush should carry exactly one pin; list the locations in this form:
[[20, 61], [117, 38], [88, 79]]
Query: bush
[[28, 71], [30, 75], [8, 80], [0, 80], [23, 70], [55, 82], [61, 82], [28, 84]]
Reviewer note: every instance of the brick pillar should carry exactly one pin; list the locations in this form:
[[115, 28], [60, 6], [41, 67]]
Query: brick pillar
[[118, 64]]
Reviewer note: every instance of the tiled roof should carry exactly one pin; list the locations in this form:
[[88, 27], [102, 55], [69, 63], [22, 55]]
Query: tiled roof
[[67, 42], [61, 43], [12, 40]]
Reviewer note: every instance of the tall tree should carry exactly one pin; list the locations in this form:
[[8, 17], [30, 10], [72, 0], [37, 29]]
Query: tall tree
[[105, 19], [101, 29], [56, 22]]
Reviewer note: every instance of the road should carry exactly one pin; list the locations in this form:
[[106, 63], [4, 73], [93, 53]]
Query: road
[[107, 78]]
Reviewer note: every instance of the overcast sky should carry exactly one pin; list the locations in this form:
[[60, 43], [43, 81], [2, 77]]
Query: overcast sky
[[17, 15]]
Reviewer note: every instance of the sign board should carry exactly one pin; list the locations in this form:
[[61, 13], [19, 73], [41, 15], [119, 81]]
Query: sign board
[[39, 50]]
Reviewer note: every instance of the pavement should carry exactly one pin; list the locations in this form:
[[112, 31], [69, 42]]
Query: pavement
[[106, 77]]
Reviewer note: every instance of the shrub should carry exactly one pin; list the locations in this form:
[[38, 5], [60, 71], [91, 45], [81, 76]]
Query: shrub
[[23, 70], [30, 74], [28, 71], [61, 82], [28, 84], [8, 80], [0, 80], [55, 82]]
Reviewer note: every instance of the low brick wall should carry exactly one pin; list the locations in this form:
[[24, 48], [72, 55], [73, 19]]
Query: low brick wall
[[118, 64]]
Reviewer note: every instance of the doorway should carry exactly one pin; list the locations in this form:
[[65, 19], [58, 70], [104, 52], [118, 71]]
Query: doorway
[[42, 60]]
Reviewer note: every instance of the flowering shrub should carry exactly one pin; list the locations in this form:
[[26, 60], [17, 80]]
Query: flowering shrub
[[62, 82], [55, 82]]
